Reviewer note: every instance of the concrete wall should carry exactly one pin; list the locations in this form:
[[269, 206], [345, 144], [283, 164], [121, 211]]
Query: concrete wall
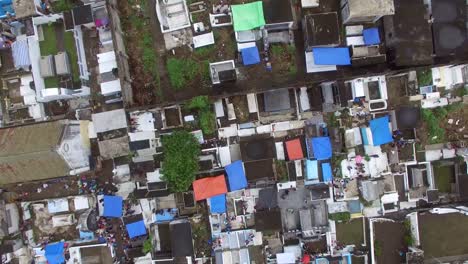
[[121, 55]]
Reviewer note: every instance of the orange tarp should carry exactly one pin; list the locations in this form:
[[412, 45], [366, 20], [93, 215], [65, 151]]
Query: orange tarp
[[294, 149], [209, 187]]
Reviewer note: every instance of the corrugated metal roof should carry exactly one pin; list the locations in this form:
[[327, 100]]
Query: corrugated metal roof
[[27, 153]]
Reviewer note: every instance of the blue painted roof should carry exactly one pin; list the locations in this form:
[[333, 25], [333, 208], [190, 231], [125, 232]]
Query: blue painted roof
[[166, 215], [112, 206], [250, 55], [380, 131], [322, 148], [331, 56], [54, 253], [371, 36], [136, 229], [236, 176], [312, 170], [327, 172], [218, 204]]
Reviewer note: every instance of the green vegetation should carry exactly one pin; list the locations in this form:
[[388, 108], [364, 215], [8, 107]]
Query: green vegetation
[[62, 5], [199, 102], [377, 248], [350, 233], [70, 48], [140, 23], [147, 246], [444, 176], [51, 82], [207, 119], [340, 217], [286, 55], [424, 77], [180, 163], [181, 71], [281, 170], [462, 91], [436, 132], [48, 45], [408, 237]]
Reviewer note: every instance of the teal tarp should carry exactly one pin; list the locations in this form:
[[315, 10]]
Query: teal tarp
[[248, 16]]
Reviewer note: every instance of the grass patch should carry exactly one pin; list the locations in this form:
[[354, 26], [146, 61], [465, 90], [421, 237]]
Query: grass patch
[[48, 46], [281, 170], [62, 5], [424, 77], [284, 58], [436, 133], [350, 233], [51, 82], [181, 72], [207, 118], [70, 48], [443, 178], [340, 217], [434, 117]]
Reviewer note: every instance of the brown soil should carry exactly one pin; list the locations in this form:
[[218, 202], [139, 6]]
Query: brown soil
[[451, 130], [389, 237], [172, 117], [144, 83], [241, 108]]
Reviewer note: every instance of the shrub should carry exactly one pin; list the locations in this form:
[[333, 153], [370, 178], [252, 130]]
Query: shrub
[[180, 163], [199, 103], [341, 217], [207, 121], [147, 246], [377, 248]]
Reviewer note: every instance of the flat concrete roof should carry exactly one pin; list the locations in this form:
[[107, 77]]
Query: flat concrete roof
[[110, 120]]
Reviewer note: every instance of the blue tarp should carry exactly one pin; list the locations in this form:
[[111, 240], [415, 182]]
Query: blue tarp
[[166, 215], [250, 55], [86, 235], [327, 172], [322, 148], [112, 206], [371, 36], [380, 131], [365, 141], [236, 176], [136, 229], [54, 253], [312, 169], [331, 56], [6, 6], [218, 204]]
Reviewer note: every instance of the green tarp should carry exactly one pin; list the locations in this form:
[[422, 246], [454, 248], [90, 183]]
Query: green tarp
[[248, 16]]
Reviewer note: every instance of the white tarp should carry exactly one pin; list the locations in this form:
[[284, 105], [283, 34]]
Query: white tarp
[[111, 87], [252, 103], [225, 156], [81, 202], [57, 206], [285, 258], [203, 40]]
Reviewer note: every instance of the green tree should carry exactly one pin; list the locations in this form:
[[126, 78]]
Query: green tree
[[147, 246], [180, 163]]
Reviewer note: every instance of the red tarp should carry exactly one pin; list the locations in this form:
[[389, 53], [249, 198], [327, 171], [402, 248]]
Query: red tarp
[[294, 149], [209, 187]]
